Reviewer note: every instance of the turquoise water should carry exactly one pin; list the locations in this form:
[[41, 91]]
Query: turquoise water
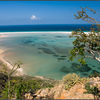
[[44, 54]]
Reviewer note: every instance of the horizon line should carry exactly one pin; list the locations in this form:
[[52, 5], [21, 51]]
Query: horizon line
[[45, 24]]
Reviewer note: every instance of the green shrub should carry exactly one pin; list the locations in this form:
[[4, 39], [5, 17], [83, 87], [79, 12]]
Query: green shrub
[[3, 81], [84, 80], [20, 86], [92, 90], [71, 79], [16, 87]]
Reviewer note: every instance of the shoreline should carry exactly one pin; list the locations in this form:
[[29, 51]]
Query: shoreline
[[64, 32], [19, 71], [5, 34]]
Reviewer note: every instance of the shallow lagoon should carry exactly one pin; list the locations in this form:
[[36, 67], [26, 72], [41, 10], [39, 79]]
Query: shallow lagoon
[[44, 54]]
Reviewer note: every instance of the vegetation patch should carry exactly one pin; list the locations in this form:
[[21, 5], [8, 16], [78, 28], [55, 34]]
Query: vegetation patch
[[71, 79], [92, 90], [20, 86]]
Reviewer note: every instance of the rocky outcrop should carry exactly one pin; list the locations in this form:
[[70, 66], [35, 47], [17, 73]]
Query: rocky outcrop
[[52, 93], [28, 96], [75, 92]]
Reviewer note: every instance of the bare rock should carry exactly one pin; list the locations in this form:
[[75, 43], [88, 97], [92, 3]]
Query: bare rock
[[42, 94], [28, 96]]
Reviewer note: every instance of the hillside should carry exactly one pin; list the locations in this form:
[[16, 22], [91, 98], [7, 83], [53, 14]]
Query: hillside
[[70, 87]]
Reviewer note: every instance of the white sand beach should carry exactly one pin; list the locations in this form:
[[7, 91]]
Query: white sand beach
[[3, 34], [19, 71], [7, 34]]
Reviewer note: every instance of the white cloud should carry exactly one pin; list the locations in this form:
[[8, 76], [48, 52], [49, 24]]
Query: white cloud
[[33, 17]]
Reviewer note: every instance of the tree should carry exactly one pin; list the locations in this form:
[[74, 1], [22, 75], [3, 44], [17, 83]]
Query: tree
[[86, 44]]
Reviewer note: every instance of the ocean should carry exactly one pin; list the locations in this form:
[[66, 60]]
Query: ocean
[[44, 50], [56, 27]]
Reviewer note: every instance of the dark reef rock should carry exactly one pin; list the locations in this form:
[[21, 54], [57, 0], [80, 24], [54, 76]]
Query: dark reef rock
[[84, 68], [75, 68], [55, 55], [61, 58], [39, 52], [59, 36], [93, 66], [44, 44], [27, 42], [62, 51], [65, 69], [47, 51]]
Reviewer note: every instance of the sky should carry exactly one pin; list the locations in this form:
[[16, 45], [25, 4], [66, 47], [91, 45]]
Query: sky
[[44, 12]]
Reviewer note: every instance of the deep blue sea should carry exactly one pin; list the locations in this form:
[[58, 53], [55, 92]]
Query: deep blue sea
[[59, 27]]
